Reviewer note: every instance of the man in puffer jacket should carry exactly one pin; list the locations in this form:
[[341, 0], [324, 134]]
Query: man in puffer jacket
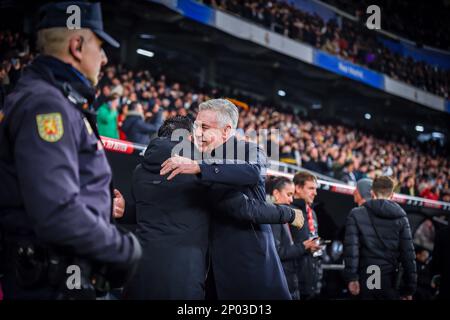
[[378, 238]]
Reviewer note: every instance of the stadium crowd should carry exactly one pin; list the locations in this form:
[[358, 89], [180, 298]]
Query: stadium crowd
[[204, 230], [334, 150], [337, 151], [429, 27], [350, 41]]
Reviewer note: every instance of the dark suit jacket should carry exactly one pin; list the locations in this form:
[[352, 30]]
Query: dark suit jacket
[[243, 254]]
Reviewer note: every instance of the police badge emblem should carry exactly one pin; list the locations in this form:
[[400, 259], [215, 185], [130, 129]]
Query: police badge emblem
[[50, 126]]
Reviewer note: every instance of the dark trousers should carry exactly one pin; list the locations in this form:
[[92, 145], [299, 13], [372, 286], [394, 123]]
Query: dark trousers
[[387, 290], [13, 291]]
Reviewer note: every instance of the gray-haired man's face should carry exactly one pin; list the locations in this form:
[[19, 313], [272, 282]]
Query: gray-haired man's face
[[208, 131]]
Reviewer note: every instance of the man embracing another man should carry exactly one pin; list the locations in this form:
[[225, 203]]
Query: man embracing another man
[[222, 183]]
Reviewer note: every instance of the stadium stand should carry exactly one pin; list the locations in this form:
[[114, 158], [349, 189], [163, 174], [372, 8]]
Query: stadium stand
[[337, 151], [348, 40], [426, 25]]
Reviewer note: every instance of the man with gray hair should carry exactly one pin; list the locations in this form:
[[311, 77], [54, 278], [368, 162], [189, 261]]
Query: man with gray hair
[[220, 114], [244, 260]]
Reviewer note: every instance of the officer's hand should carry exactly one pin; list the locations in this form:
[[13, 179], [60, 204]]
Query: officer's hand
[[353, 287], [299, 220], [119, 204], [177, 165]]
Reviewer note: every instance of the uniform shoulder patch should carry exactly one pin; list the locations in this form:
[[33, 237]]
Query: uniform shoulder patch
[[50, 126]]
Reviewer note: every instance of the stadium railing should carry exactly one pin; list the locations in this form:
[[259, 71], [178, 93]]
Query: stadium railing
[[288, 170]]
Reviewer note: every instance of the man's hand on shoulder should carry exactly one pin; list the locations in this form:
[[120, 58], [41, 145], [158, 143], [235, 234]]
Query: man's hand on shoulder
[[299, 220], [176, 165]]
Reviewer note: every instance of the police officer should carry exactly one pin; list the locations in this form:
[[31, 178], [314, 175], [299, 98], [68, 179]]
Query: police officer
[[55, 190]]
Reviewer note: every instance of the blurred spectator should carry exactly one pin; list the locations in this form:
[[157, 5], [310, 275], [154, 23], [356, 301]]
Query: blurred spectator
[[430, 193], [362, 191], [135, 127], [430, 25], [349, 174], [3, 85], [350, 40], [424, 290], [120, 119], [313, 162], [409, 188], [107, 117]]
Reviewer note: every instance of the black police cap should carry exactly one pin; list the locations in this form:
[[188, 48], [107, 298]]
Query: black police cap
[[55, 15]]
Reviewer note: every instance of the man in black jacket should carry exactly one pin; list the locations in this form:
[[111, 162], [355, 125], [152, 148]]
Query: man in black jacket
[[173, 223], [307, 238], [377, 239]]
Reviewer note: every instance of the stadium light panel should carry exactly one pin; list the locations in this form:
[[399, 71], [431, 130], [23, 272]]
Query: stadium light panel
[[146, 53], [419, 128], [147, 36], [437, 135], [281, 93]]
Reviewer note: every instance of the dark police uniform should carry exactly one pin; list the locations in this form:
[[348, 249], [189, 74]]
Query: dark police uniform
[[55, 191]]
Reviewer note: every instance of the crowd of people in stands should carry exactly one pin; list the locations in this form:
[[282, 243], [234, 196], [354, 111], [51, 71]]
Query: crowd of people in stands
[[336, 151], [132, 104], [348, 40], [422, 23]]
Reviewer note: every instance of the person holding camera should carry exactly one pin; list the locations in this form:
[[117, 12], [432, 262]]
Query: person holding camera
[[56, 195], [309, 270]]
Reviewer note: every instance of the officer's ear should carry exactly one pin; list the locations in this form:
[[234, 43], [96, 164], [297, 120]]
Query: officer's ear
[[76, 47]]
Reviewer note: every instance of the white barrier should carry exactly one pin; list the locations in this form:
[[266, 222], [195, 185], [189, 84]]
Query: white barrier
[[126, 147]]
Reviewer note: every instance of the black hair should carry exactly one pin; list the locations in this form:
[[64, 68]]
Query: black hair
[[171, 124], [133, 106], [276, 183]]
